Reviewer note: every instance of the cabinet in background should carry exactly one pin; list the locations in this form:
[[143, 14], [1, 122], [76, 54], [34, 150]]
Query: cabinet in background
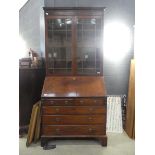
[[30, 87]]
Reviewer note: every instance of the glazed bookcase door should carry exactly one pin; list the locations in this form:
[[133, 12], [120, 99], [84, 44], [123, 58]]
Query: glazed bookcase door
[[89, 45], [74, 44], [59, 45]]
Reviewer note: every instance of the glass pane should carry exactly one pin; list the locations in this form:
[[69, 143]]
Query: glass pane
[[59, 32], [59, 58], [89, 42], [87, 71], [98, 24], [59, 45], [86, 53]]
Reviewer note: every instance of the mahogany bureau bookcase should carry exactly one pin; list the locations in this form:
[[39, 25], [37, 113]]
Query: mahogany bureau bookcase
[[74, 94]]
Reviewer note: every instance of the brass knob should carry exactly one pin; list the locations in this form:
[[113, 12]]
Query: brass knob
[[95, 101], [90, 129]]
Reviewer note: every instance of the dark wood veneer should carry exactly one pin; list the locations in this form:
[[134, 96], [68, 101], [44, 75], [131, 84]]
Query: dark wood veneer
[[80, 101], [73, 130], [72, 110], [74, 93], [81, 86], [72, 119]]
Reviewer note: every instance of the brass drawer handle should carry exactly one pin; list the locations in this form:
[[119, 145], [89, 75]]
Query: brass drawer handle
[[90, 118], [95, 101], [51, 102], [57, 119], [81, 101], [90, 109], [57, 131], [57, 109], [66, 102], [90, 130]]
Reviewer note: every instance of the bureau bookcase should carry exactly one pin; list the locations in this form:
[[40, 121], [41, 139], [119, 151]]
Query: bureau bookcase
[[74, 93]]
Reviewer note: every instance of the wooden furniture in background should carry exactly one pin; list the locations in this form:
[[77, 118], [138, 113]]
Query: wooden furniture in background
[[74, 94], [30, 87], [130, 112]]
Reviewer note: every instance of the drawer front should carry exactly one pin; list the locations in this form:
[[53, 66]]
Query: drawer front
[[75, 102], [47, 110], [73, 130], [57, 102], [90, 101], [73, 119]]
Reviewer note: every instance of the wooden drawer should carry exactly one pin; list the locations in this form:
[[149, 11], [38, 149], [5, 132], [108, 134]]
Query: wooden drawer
[[75, 102], [73, 119], [73, 130], [46, 110], [57, 102], [90, 102]]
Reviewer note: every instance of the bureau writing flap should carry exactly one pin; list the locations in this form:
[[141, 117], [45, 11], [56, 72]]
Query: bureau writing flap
[[79, 86]]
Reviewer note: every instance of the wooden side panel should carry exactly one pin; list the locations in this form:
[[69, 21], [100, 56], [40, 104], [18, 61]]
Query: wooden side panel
[[130, 116]]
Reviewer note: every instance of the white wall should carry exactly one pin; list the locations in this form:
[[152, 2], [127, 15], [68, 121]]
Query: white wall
[[29, 24]]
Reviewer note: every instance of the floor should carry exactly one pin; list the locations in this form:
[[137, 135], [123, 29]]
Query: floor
[[118, 144]]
